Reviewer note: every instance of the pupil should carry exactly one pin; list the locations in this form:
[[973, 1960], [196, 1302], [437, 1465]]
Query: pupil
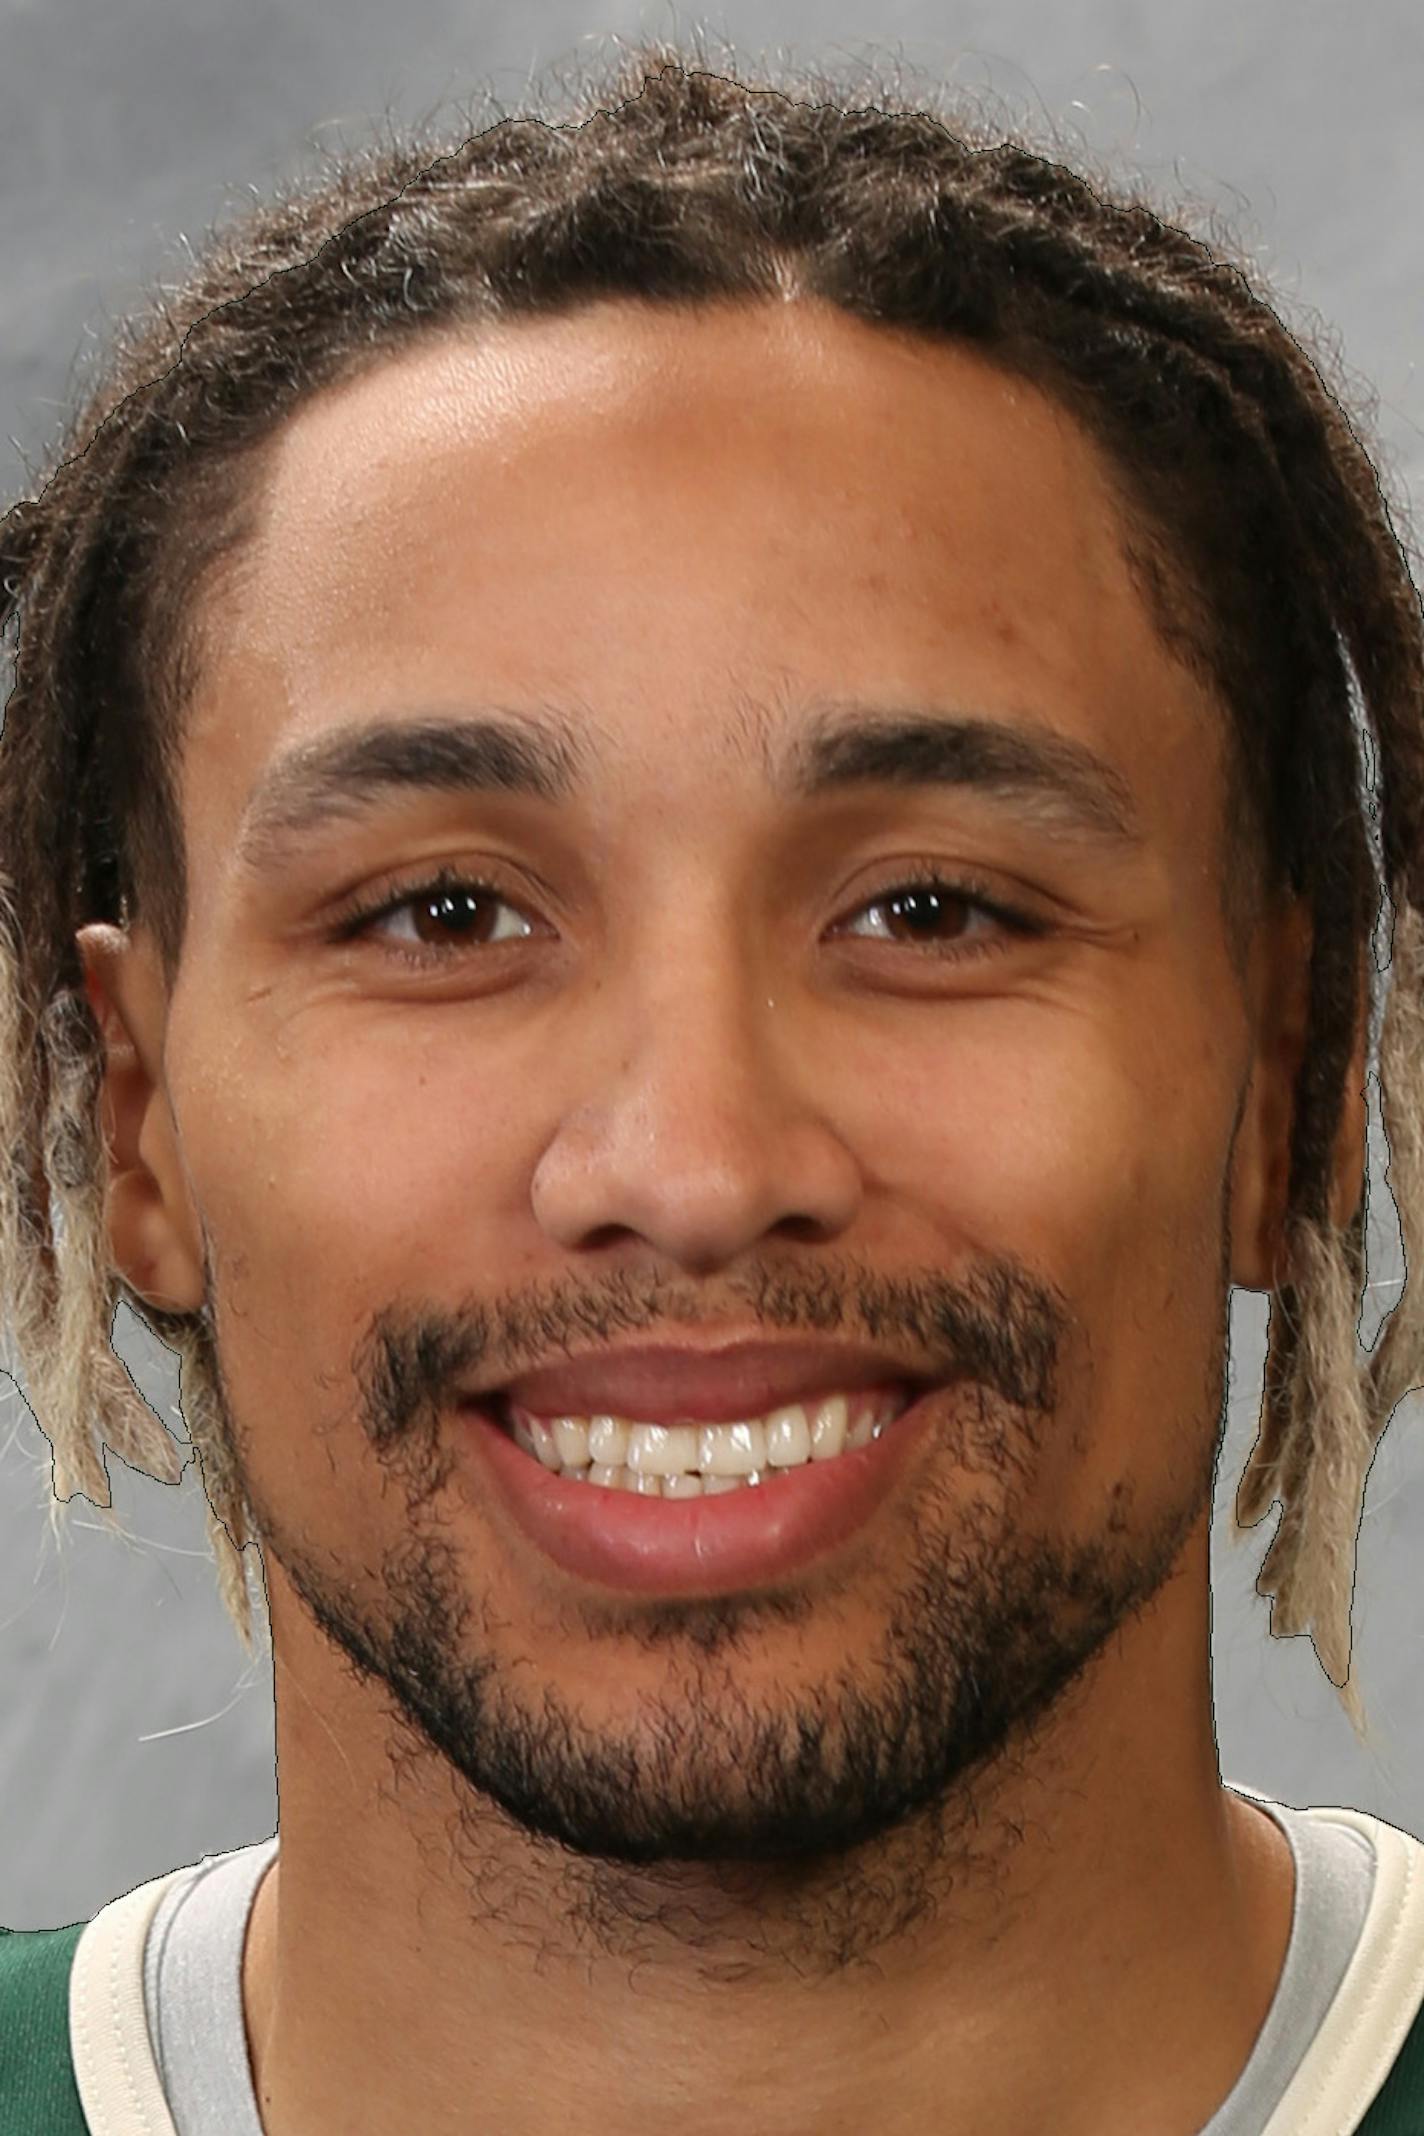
[[444, 905], [916, 897]]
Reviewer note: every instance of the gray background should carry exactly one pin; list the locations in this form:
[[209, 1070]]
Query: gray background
[[133, 1736]]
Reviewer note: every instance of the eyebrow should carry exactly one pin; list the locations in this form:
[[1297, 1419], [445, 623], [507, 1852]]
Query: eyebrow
[[1055, 785]]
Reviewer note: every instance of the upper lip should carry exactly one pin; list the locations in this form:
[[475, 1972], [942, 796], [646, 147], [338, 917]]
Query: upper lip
[[666, 1382]]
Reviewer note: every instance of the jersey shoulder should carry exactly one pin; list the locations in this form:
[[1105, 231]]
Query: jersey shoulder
[[38, 2095]]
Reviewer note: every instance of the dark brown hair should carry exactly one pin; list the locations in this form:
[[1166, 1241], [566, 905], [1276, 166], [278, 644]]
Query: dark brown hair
[[1257, 533]]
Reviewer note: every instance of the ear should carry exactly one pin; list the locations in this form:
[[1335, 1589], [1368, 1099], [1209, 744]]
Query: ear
[[152, 1224], [1260, 1169]]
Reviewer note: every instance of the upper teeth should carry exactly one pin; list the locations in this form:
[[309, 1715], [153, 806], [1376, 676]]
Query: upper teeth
[[784, 1438]]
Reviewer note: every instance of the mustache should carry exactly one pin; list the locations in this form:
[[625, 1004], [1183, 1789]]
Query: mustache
[[995, 1322]]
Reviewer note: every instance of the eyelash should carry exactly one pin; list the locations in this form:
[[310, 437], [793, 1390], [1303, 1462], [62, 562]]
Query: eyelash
[[358, 918]]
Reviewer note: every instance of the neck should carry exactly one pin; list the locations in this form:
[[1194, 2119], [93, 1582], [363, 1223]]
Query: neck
[[1045, 2012]]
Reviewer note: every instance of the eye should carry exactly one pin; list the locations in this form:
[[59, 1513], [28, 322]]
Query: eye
[[444, 899], [923, 902]]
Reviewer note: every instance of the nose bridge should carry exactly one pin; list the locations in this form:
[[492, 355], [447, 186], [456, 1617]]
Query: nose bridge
[[689, 972], [692, 1121], [690, 943]]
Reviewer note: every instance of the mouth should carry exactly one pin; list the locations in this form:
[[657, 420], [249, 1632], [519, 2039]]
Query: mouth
[[785, 1506]]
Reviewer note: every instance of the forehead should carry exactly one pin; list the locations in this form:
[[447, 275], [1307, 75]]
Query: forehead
[[661, 516]]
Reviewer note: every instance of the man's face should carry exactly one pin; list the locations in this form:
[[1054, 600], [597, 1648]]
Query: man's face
[[693, 1075]]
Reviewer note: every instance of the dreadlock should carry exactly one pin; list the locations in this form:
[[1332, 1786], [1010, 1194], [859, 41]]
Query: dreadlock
[[1259, 535]]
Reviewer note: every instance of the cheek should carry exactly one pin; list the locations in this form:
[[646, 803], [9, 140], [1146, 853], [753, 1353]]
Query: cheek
[[1026, 1123], [382, 1181], [1083, 1151], [336, 1178]]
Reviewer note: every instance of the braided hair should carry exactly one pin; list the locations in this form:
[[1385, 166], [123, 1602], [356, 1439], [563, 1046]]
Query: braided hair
[[1260, 538]]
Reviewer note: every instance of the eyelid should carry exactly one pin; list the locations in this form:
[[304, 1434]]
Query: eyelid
[[360, 913]]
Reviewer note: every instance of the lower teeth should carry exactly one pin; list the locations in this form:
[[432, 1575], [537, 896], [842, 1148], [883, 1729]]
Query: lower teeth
[[686, 1486]]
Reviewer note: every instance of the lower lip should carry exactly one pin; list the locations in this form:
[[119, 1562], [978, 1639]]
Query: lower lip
[[704, 1545]]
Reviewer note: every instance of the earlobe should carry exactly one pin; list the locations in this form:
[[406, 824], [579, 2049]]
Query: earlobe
[[1260, 1184], [148, 1213], [112, 985]]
